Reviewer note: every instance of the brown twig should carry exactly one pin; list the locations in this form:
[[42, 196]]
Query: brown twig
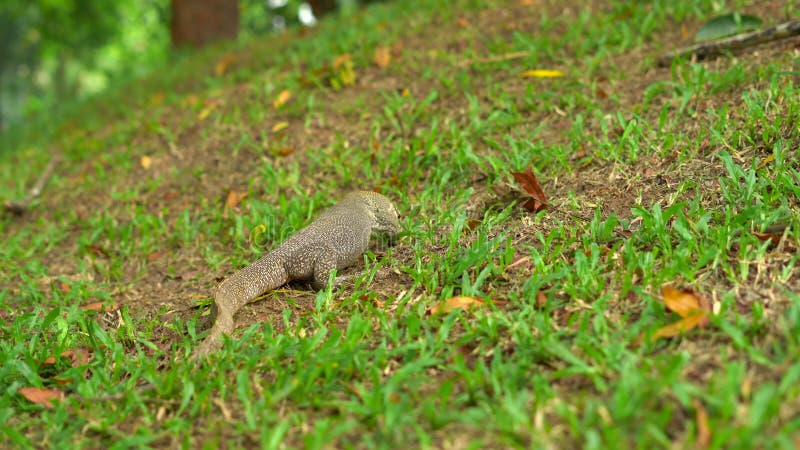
[[18, 208], [739, 41]]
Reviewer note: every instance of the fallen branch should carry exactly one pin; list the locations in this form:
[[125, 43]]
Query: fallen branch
[[18, 208], [739, 41]]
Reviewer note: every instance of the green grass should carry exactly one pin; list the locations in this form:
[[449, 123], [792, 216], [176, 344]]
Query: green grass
[[656, 176]]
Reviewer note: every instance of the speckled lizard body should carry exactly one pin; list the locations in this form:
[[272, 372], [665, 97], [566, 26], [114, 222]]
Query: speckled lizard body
[[335, 240]]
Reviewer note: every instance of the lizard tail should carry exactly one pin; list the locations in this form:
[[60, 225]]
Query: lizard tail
[[236, 291]]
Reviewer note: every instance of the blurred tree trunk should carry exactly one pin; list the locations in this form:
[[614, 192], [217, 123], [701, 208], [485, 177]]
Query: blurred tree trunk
[[198, 22], [322, 7]]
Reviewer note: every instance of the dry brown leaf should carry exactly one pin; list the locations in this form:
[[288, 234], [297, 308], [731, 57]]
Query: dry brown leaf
[[41, 396], [283, 97], [100, 306], [145, 161], [684, 302], [519, 262], [234, 198], [473, 223], [458, 302], [96, 250], [223, 64], [773, 238], [541, 300], [532, 187], [153, 256], [688, 323], [79, 357], [382, 56], [283, 151]]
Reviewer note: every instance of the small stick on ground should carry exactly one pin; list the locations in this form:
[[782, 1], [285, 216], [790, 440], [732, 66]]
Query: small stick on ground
[[18, 208], [739, 41]]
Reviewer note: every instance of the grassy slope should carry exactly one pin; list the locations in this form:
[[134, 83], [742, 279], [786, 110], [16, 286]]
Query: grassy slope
[[659, 176]]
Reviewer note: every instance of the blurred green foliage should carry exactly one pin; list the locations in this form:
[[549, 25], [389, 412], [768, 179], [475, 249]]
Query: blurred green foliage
[[57, 51]]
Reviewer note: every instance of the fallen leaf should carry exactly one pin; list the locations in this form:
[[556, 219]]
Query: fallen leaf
[[473, 223], [100, 306], [41, 396], [519, 261], [284, 151], [458, 302], [682, 326], [541, 300], [96, 250], [531, 186], [341, 60], [206, 111], [382, 56], [684, 302], [145, 161], [772, 237], [234, 198], [79, 357], [542, 73], [223, 63], [153, 256], [283, 97], [703, 428], [280, 126], [766, 161]]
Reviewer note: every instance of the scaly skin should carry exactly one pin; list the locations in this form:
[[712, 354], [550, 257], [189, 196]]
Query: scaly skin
[[335, 240]]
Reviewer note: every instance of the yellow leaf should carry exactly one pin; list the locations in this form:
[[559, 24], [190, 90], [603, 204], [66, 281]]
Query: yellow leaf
[[766, 161], [458, 302], [206, 111], [542, 73], [280, 126], [282, 98], [146, 162]]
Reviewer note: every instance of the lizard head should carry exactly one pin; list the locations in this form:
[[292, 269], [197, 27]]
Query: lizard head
[[383, 210]]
